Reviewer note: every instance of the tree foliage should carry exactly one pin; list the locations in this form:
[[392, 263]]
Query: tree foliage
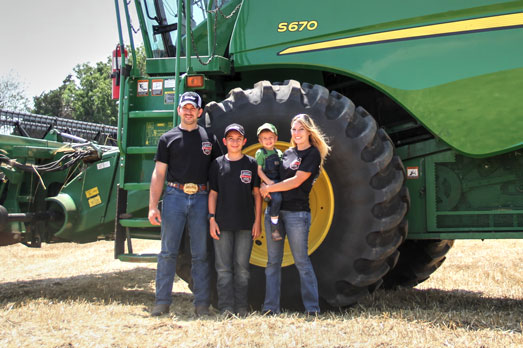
[[85, 95], [52, 103], [12, 93]]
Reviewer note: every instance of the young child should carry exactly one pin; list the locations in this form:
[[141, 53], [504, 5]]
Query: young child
[[269, 160], [235, 206]]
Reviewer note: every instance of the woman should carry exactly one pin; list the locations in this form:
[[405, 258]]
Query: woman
[[300, 167]]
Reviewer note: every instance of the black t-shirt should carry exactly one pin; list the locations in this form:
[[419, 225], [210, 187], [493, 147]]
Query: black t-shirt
[[188, 154], [234, 182], [309, 161]]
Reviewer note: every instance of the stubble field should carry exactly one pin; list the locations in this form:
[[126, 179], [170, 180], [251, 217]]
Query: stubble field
[[69, 295]]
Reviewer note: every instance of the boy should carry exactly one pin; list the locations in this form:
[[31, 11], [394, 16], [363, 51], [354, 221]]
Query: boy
[[269, 160], [234, 219]]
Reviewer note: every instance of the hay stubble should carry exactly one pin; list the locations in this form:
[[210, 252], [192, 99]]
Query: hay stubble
[[70, 295]]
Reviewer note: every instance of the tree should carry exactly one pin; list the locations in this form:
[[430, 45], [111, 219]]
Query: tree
[[12, 93], [52, 103], [90, 98], [86, 95]]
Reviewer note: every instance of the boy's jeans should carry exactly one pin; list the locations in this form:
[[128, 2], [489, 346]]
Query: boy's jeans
[[296, 225], [275, 203], [179, 209], [232, 254]]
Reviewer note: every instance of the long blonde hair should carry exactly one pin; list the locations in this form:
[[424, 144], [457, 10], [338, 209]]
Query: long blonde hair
[[316, 138]]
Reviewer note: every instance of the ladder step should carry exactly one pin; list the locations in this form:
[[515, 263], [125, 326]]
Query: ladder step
[[151, 233], [139, 150], [138, 258], [136, 186], [152, 114], [137, 222]]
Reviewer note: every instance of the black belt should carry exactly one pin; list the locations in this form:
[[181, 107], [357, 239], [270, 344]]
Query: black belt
[[188, 188]]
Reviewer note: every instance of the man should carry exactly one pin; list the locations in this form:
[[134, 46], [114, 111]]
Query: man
[[183, 158]]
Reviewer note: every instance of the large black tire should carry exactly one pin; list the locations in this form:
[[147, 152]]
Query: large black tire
[[368, 181], [418, 260]]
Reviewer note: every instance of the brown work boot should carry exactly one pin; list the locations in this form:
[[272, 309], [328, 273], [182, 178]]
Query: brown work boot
[[275, 233], [201, 311], [160, 309]]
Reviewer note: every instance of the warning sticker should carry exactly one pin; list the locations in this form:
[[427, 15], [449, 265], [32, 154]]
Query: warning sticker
[[170, 83], [143, 88], [412, 172], [168, 97], [91, 192], [157, 88], [94, 201], [103, 165]]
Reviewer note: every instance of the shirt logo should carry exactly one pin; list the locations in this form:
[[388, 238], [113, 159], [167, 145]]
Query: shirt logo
[[295, 164], [206, 148], [246, 176]]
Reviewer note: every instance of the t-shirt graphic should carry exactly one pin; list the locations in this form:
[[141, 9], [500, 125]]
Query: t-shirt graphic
[[206, 148], [246, 176], [295, 165]]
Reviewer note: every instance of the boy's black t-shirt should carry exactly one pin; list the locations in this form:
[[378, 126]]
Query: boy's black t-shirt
[[188, 154], [234, 182], [307, 160]]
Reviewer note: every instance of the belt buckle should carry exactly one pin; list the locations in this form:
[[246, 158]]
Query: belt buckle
[[190, 188]]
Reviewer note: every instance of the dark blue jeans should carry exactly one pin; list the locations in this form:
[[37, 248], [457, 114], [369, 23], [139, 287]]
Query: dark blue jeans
[[232, 254], [296, 225], [179, 209], [275, 203]]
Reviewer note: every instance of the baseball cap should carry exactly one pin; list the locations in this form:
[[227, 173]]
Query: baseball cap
[[191, 98], [267, 126], [234, 127]]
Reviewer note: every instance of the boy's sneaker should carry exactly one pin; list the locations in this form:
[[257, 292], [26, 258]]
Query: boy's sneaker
[[275, 233], [242, 312]]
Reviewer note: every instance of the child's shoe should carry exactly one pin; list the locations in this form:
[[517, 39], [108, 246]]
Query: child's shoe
[[275, 233]]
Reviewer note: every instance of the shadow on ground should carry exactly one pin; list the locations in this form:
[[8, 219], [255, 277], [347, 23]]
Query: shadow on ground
[[452, 309], [132, 287]]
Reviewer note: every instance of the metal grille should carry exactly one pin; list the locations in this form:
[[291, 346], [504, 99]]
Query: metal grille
[[37, 126]]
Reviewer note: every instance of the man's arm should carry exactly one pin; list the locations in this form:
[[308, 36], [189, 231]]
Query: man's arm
[[157, 182], [213, 225], [256, 227]]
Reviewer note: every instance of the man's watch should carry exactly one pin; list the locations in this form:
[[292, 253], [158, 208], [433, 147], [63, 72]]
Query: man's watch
[[209, 216]]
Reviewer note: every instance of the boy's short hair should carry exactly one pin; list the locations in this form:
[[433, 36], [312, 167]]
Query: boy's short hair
[[266, 126]]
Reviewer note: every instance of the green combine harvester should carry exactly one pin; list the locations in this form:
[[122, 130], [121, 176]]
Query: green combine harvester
[[421, 102]]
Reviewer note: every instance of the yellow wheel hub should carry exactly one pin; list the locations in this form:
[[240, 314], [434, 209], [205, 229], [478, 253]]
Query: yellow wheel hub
[[322, 211]]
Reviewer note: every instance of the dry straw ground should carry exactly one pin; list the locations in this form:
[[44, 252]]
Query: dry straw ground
[[72, 295]]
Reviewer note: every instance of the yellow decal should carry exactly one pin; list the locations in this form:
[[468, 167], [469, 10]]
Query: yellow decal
[[297, 26], [458, 27], [91, 192], [94, 201]]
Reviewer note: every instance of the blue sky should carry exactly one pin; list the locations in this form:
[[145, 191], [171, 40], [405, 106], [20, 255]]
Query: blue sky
[[41, 41]]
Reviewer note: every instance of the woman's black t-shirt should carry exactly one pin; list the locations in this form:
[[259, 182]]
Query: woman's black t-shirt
[[307, 160]]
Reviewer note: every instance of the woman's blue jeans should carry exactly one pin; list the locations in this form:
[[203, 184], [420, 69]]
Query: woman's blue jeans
[[296, 226], [180, 209]]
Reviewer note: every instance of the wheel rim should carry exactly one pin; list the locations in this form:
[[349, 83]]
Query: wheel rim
[[322, 211]]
